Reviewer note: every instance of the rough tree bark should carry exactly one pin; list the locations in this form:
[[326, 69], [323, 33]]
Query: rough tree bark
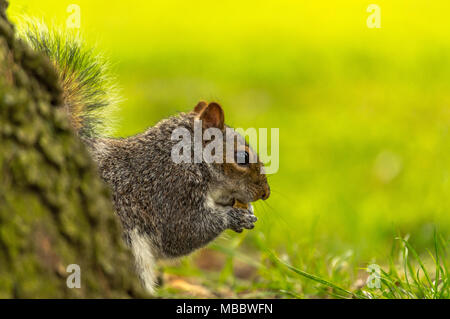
[[54, 209]]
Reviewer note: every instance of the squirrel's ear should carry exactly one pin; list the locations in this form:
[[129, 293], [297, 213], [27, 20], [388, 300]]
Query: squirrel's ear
[[199, 107], [212, 116]]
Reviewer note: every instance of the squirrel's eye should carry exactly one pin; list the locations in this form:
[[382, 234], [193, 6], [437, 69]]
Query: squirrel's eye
[[242, 158]]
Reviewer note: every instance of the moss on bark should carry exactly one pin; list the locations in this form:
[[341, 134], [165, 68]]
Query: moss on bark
[[54, 209]]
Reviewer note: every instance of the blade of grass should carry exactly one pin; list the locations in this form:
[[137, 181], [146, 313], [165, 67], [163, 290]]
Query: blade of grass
[[405, 265], [438, 264], [315, 278], [290, 293], [419, 260]]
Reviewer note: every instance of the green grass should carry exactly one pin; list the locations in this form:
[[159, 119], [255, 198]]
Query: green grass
[[407, 277], [364, 130], [404, 275]]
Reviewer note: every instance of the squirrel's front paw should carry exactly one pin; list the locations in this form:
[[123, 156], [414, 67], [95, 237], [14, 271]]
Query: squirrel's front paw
[[240, 218]]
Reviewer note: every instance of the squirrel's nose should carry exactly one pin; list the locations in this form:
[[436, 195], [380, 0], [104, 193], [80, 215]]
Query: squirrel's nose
[[265, 195]]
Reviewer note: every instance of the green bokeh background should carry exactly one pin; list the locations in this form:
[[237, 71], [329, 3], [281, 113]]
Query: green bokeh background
[[363, 113]]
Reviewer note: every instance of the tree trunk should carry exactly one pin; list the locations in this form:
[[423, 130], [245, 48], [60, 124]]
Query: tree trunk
[[54, 209]]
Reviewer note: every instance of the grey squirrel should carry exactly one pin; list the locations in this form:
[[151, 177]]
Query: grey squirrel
[[167, 209]]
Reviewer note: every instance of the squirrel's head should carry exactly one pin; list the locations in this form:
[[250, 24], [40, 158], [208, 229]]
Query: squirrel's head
[[240, 175]]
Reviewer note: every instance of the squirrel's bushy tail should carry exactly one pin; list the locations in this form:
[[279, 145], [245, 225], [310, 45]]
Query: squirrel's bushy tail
[[89, 90]]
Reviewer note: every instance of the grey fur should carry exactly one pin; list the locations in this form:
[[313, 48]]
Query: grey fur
[[167, 202]]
